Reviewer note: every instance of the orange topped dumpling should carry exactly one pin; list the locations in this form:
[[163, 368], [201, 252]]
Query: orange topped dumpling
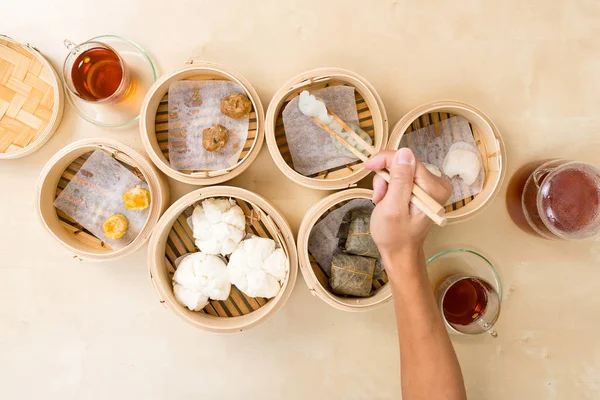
[[115, 226], [136, 198]]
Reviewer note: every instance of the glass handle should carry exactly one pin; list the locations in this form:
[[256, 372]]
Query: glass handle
[[487, 327], [69, 45], [538, 174]]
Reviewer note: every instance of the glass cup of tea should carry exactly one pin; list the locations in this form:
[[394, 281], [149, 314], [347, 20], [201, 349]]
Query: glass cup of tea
[[561, 200], [95, 72], [469, 304], [468, 291]]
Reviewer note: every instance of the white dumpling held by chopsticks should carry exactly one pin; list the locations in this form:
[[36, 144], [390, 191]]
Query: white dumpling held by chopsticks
[[463, 160], [310, 106]]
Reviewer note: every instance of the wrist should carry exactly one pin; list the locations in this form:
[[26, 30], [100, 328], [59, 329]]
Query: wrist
[[402, 255], [403, 261]]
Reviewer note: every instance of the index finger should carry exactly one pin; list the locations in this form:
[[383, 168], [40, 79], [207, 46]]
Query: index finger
[[381, 160]]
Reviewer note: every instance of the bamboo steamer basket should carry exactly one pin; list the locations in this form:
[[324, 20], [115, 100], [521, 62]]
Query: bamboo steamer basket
[[59, 171], [314, 275], [173, 238], [154, 123], [371, 114], [488, 141], [31, 99]]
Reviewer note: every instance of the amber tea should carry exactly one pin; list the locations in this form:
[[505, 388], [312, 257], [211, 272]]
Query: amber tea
[[469, 304], [95, 72], [465, 301]]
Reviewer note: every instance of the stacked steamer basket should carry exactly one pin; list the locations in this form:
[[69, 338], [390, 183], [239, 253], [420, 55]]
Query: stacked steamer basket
[[31, 99], [371, 114], [173, 238], [61, 169], [154, 121], [373, 120], [488, 141], [315, 275]]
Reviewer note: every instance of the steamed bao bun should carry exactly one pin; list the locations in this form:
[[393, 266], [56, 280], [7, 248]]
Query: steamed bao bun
[[198, 277], [257, 268], [219, 225]]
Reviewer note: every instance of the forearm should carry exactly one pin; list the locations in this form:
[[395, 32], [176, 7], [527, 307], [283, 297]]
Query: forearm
[[430, 369]]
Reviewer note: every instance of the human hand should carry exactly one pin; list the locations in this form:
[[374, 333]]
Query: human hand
[[397, 227]]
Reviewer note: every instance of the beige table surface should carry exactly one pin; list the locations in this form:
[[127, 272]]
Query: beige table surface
[[71, 330]]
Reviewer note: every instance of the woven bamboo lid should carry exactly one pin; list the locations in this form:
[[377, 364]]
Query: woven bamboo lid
[[31, 99]]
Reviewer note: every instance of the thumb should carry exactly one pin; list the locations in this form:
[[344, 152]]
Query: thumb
[[402, 175]]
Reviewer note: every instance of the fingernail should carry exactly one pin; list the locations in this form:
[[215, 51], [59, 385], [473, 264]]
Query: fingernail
[[404, 156]]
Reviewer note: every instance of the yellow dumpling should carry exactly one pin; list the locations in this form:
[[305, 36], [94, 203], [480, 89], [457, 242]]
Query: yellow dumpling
[[136, 198], [115, 226]]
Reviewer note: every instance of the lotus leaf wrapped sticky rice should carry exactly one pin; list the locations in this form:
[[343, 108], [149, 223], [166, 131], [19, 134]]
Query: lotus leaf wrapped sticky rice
[[359, 239], [352, 275]]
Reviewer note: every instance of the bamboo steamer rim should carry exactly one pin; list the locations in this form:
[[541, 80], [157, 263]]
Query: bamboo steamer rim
[[57, 107], [148, 134], [373, 100], [157, 185], [381, 297], [486, 127], [164, 288]]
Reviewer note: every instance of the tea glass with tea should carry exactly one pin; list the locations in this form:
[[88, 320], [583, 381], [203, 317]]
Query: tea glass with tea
[[468, 291], [469, 304], [95, 72], [561, 200]]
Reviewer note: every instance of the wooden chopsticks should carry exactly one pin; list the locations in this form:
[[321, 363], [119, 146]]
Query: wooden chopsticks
[[419, 197]]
